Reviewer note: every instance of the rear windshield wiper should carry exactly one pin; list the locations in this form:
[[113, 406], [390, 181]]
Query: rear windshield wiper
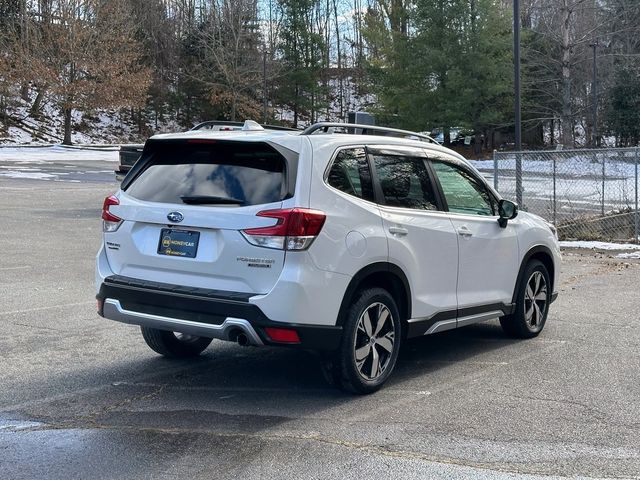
[[210, 200]]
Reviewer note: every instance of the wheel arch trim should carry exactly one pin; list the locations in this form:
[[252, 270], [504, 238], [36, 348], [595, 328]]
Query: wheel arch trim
[[361, 276], [535, 251]]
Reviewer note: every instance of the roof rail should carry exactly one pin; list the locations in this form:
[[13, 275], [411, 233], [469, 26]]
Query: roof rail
[[226, 123], [324, 127]]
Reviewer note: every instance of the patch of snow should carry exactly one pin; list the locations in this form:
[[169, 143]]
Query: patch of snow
[[6, 424], [599, 245], [41, 155], [576, 166], [17, 135], [27, 175], [91, 126], [632, 255], [22, 169]]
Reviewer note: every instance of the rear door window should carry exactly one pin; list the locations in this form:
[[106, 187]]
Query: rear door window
[[230, 174], [405, 182]]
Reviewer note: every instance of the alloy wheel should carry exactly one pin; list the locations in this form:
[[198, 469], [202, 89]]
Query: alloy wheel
[[535, 301], [374, 341]]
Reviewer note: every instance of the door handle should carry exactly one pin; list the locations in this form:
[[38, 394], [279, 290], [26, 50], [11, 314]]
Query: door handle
[[398, 231], [464, 231]]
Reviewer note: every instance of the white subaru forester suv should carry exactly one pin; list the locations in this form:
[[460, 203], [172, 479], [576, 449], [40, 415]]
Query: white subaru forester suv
[[345, 243]]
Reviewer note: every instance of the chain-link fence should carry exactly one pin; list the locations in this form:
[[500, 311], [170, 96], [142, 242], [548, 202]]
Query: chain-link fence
[[587, 194]]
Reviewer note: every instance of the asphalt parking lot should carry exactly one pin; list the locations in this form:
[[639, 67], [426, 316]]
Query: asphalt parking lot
[[83, 397]]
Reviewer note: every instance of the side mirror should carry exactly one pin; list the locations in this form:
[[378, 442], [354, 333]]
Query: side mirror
[[507, 211]]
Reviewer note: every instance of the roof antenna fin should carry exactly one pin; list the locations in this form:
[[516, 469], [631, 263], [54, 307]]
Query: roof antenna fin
[[252, 126]]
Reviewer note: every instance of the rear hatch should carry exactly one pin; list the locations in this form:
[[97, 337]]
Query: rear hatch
[[183, 208]]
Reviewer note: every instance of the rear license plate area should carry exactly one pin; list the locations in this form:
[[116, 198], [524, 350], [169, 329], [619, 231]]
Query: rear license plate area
[[178, 243]]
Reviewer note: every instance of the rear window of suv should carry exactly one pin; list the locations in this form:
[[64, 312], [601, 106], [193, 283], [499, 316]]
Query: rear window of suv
[[244, 174]]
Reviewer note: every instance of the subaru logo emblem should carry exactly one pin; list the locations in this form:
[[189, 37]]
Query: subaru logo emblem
[[175, 217]]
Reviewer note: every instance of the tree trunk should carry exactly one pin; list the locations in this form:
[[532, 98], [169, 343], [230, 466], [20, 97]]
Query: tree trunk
[[477, 145], [24, 92], [67, 126], [339, 53], [37, 103], [140, 123], [233, 106], [3, 111], [566, 116], [295, 108]]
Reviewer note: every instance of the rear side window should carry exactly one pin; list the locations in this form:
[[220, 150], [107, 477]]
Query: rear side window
[[240, 174], [350, 173], [405, 182]]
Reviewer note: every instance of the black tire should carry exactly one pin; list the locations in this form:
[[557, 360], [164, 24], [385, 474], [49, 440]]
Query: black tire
[[342, 369], [174, 345], [530, 316]]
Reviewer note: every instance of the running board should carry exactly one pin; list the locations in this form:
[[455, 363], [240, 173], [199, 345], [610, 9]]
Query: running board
[[449, 320]]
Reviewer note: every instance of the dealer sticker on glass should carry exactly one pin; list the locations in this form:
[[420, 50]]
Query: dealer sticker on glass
[[178, 243]]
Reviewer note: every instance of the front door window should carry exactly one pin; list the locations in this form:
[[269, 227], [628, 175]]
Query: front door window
[[464, 193]]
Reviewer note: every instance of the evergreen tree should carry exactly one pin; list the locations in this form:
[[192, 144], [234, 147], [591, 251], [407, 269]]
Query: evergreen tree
[[623, 115], [302, 53], [452, 68]]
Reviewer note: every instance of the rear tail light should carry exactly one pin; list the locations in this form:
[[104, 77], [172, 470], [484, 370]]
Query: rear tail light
[[295, 229], [110, 222], [282, 335]]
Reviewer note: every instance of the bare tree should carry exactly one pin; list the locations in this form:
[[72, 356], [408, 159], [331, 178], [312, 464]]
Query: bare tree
[[560, 61], [230, 46], [83, 55]]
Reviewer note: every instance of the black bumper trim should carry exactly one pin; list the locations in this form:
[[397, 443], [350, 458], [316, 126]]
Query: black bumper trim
[[177, 289], [209, 307]]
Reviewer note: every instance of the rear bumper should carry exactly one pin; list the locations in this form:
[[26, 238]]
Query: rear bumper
[[229, 329], [201, 312]]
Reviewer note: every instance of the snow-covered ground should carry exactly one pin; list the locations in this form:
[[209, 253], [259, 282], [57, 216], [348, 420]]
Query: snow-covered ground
[[98, 126], [117, 126], [580, 164], [631, 255], [632, 250], [599, 245], [578, 182], [53, 153], [59, 163]]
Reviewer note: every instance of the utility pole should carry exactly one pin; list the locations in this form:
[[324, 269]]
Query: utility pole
[[516, 103], [594, 88]]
